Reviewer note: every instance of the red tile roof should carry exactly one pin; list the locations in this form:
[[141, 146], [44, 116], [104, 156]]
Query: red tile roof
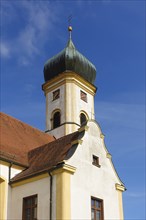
[[47, 157], [17, 138]]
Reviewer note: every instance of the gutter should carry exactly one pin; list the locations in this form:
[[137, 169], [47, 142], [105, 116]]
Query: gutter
[[14, 162], [59, 165]]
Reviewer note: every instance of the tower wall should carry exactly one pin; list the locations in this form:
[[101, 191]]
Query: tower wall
[[76, 96]]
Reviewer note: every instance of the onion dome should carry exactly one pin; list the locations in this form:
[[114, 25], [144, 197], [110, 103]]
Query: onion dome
[[70, 59]]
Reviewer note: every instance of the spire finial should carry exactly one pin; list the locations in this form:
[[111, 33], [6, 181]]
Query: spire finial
[[69, 25]]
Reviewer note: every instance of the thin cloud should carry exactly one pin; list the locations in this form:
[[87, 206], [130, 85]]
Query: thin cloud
[[6, 12], [4, 50], [29, 88], [136, 194], [126, 115], [27, 40], [37, 22], [122, 121]]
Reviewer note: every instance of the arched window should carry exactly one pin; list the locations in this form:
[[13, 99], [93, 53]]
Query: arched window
[[56, 119], [83, 119]]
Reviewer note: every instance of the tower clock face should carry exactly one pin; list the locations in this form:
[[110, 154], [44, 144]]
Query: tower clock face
[[56, 94]]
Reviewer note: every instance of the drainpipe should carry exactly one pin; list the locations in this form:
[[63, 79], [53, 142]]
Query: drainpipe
[[11, 164], [51, 180]]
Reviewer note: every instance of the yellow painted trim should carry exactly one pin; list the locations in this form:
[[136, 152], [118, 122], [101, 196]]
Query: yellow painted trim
[[82, 86], [68, 77], [62, 82], [120, 189], [65, 75], [13, 165], [29, 180], [65, 168], [63, 189], [48, 122], [102, 136], [77, 142], [3, 198], [85, 113], [66, 100], [84, 128], [108, 155], [4, 163], [74, 98], [63, 207]]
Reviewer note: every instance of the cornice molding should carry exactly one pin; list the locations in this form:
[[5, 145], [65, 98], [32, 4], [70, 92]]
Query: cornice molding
[[68, 77]]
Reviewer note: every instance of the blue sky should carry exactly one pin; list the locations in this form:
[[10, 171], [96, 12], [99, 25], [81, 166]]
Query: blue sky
[[111, 34]]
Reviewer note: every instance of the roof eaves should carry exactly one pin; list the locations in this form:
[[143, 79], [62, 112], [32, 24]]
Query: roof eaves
[[13, 162], [47, 170]]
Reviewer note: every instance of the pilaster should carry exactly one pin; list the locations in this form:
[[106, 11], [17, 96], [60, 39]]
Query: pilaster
[[63, 189], [120, 189]]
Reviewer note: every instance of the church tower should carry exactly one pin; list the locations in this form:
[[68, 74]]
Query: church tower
[[69, 90]]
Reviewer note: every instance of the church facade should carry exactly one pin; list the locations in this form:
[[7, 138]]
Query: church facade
[[66, 172]]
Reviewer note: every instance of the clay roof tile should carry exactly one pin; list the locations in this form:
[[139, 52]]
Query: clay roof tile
[[17, 138], [46, 157]]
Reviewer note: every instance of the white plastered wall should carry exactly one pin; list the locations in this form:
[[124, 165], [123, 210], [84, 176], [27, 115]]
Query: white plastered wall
[[42, 189], [90, 180]]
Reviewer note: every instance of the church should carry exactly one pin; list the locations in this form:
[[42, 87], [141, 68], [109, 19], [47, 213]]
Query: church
[[66, 172]]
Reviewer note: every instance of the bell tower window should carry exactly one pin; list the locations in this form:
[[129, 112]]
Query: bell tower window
[[56, 94], [83, 119], [83, 96], [56, 119]]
